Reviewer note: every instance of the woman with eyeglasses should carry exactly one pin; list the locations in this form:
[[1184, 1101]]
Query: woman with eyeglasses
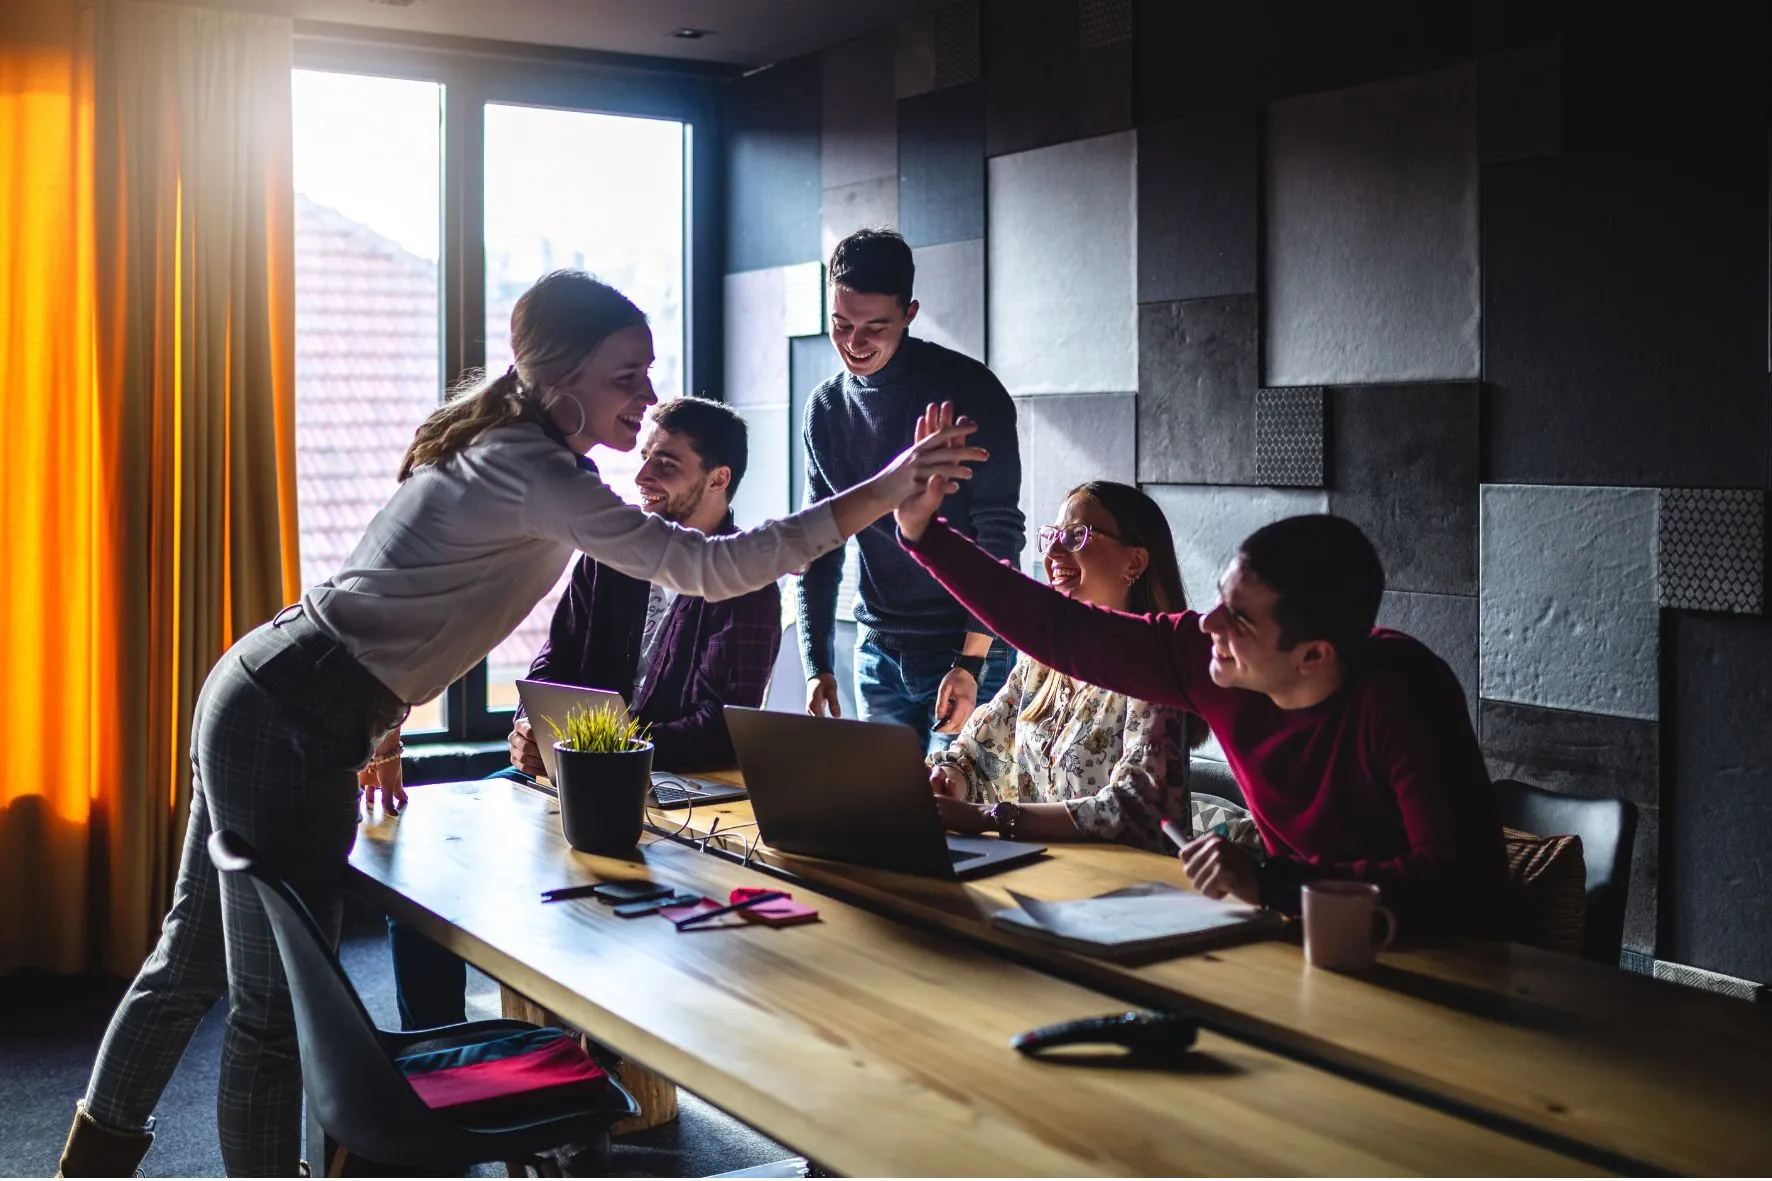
[[1051, 758]]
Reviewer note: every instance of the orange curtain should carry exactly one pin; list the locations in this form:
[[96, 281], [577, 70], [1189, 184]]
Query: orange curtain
[[175, 533]]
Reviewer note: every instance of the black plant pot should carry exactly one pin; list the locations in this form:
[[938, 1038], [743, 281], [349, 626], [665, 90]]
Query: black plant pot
[[603, 797]]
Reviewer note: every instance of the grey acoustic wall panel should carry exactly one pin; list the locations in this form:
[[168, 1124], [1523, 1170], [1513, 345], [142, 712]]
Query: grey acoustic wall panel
[[1196, 391], [1405, 469], [958, 37], [913, 68], [1289, 438], [1624, 318], [1445, 623], [941, 166], [1520, 103], [764, 494], [853, 207], [757, 337], [802, 297], [773, 168], [1197, 201], [1104, 79], [1066, 441], [1589, 755], [811, 361], [1062, 315], [1568, 594], [1711, 553], [1195, 57], [1310, 47], [860, 126], [1032, 83], [1371, 259], [1209, 524], [1719, 809], [950, 296]]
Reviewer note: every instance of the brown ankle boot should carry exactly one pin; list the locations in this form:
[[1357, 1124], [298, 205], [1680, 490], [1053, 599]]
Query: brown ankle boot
[[94, 1150]]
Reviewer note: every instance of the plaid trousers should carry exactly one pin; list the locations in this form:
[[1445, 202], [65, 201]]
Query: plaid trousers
[[284, 721]]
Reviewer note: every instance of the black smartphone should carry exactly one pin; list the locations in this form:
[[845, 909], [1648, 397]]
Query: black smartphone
[[634, 910], [630, 891]]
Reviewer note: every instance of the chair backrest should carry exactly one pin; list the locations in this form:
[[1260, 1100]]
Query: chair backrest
[[354, 1089], [1607, 828], [1213, 778]]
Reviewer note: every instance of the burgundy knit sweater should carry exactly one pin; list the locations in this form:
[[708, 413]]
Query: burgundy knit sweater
[[1382, 782]]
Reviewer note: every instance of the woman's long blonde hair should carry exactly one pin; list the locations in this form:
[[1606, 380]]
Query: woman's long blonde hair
[[556, 325], [1140, 522]]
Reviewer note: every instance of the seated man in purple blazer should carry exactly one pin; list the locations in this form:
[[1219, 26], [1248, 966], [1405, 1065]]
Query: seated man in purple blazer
[[675, 659]]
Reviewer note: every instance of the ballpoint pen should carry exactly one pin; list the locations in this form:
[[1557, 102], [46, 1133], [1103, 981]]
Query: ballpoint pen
[[753, 900]]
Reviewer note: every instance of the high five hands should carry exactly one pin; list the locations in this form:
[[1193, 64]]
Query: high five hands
[[916, 511]]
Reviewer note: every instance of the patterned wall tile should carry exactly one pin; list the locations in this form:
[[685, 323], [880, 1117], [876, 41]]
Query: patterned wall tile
[[1103, 22], [850, 208], [860, 126], [941, 166], [957, 44], [757, 338], [763, 494], [773, 166], [1371, 224], [1568, 595], [1404, 467], [1196, 391], [1061, 270], [1209, 523], [1445, 623], [1066, 441], [1711, 550], [1289, 438], [950, 296], [1197, 201]]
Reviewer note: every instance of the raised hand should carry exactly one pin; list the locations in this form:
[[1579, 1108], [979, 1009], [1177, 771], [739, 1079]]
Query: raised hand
[[914, 513]]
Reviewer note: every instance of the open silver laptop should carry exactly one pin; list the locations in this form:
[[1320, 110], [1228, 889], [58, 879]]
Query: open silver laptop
[[855, 792], [543, 700]]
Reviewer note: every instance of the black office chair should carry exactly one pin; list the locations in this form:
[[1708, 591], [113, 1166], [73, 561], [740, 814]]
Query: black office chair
[[1607, 828], [1213, 778], [363, 1099]]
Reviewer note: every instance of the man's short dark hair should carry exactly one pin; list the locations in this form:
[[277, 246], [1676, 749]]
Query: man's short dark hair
[[1327, 576], [716, 432], [874, 261]]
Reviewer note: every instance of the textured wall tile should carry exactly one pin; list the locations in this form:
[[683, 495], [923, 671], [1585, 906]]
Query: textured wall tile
[[773, 169], [941, 166], [1066, 441], [1309, 46], [802, 297], [1711, 552], [1520, 103], [1718, 809], [950, 296], [1104, 89], [1062, 313], [1445, 623], [1104, 22], [1568, 591], [852, 207], [1595, 756], [1405, 467], [811, 361], [1196, 57], [860, 129], [1197, 201], [756, 337], [957, 44], [913, 68], [1597, 371], [1371, 260], [1032, 85], [1289, 438], [1196, 391], [1209, 524], [763, 495]]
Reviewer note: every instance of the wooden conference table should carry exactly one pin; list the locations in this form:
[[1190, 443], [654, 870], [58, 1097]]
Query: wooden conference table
[[871, 1046], [1634, 1073]]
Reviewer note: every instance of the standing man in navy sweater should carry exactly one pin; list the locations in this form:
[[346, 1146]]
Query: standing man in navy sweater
[[921, 659]]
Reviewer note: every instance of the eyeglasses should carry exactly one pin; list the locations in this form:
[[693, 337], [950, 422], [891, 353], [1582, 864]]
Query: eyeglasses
[[1071, 537]]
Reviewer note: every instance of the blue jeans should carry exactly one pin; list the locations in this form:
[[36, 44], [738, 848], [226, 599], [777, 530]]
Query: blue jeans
[[899, 685]]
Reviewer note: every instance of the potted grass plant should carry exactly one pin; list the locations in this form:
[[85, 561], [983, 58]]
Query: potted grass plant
[[604, 764]]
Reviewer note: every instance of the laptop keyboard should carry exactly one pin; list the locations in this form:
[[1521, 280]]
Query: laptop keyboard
[[673, 795]]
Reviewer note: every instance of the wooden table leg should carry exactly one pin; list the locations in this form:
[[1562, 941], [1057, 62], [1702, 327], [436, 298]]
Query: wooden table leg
[[656, 1095]]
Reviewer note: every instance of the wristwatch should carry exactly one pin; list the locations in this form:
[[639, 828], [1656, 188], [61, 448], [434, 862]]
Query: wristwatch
[[1005, 815], [972, 664]]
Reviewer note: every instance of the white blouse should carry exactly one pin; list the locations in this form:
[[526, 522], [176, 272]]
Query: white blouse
[[464, 550]]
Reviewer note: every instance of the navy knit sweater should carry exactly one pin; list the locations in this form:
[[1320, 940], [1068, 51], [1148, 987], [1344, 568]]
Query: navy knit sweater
[[854, 426]]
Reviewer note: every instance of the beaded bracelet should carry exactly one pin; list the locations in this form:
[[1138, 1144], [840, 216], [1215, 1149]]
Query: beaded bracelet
[[392, 756]]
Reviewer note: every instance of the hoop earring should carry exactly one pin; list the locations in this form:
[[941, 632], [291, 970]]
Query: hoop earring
[[549, 407]]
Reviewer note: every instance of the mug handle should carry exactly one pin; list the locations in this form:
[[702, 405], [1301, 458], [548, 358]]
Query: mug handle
[[1390, 925]]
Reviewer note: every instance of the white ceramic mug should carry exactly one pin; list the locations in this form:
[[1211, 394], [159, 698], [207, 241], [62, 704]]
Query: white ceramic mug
[[1338, 925]]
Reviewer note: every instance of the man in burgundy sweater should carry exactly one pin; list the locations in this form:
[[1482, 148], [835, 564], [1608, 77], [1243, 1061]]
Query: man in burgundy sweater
[[1352, 743]]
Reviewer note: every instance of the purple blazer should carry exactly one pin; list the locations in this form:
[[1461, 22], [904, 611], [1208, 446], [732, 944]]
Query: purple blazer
[[709, 655]]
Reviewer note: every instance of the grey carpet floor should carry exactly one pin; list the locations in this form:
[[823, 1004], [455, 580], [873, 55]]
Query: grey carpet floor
[[50, 1028]]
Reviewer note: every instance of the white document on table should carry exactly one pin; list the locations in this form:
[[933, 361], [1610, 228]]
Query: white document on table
[[1141, 920]]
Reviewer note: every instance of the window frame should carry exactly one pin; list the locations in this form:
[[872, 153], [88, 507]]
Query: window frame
[[474, 73]]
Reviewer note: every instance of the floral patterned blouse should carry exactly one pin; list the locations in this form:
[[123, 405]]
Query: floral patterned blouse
[[1120, 766]]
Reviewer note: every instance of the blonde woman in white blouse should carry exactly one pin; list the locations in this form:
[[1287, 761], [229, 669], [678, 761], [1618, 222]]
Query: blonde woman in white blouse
[[1050, 758]]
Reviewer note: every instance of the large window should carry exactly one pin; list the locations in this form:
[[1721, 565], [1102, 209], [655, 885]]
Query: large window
[[425, 206]]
